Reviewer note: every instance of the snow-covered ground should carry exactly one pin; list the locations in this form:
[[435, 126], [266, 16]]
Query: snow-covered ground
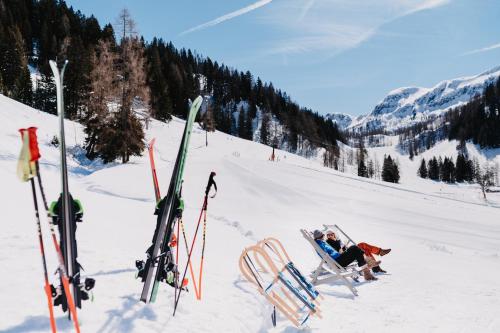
[[442, 270]]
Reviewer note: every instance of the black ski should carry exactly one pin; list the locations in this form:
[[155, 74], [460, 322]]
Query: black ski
[[67, 211], [159, 262]]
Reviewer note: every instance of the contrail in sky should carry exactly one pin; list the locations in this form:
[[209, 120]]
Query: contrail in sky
[[228, 16], [484, 49]]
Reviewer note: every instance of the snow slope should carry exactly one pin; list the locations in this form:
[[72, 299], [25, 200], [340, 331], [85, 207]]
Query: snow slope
[[442, 270], [409, 105]]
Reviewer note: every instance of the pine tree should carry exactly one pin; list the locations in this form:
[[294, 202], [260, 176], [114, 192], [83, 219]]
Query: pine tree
[[129, 135], [161, 104], [362, 170], [410, 148], [433, 169], [15, 73], [45, 94], [370, 169], [390, 170], [242, 127], [422, 171], [249, 125], [440, 167], [448, 171], [395, 172], [470, 171], [77, 77], [264, 129], [125, 25], [208, 120], [387, 169], [461, 168], [98, 119]]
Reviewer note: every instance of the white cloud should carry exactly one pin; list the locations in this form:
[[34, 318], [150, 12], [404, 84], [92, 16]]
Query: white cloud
[[331, 37], [228, 16], [426, 4], [336, 25], [481, 50]]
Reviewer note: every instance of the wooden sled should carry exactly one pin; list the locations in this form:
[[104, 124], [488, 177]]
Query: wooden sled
[[277, 252], [297, 300], [329, 270]]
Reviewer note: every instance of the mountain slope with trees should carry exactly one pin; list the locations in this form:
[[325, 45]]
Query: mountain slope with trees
[[33, 32]]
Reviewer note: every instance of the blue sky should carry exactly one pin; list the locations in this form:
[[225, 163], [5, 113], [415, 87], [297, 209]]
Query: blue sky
[[328, 55]]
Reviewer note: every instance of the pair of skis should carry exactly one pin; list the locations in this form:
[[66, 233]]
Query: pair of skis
[[180, 226], [169, 211]]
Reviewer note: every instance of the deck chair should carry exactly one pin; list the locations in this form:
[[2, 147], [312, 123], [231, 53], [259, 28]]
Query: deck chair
[[328, 269], [292, 299]]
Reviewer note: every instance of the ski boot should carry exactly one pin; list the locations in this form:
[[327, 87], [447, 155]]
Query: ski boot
[[141, 268], [85, 287], [57, 295]]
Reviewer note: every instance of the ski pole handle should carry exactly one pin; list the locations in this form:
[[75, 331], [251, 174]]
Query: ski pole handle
[[211, 182]]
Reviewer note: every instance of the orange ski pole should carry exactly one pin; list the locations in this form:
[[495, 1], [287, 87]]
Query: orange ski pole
[[47, 288]]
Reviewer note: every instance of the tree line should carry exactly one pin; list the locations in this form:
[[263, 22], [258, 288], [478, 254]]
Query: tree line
[[478, 120], [463, 170]]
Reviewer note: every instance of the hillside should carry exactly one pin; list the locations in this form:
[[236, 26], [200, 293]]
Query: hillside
[[442, 270]]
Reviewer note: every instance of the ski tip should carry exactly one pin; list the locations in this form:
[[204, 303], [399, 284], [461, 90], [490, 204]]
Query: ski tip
[[197, 102]]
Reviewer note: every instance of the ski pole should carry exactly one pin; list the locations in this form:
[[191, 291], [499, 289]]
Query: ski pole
[[211, 182], [47, 288], [187, 252], [204, 207], [153, 170], [33, 144], [28, 156], [202, 254]]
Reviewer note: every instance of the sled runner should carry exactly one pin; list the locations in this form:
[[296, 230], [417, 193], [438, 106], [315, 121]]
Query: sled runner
[[279, 281], [329, 270]]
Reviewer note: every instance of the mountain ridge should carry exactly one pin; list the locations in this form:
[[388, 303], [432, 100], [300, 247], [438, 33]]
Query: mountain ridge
[[406, 106]]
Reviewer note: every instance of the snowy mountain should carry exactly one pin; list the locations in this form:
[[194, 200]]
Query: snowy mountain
[[342, 120], [406, 106], [436, 232]]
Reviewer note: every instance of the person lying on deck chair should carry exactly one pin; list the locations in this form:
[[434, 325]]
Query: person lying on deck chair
[[351, 254], [368, 249]]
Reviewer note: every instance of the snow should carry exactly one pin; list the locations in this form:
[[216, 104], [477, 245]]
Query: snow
[[342, 120], [445, 239]]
